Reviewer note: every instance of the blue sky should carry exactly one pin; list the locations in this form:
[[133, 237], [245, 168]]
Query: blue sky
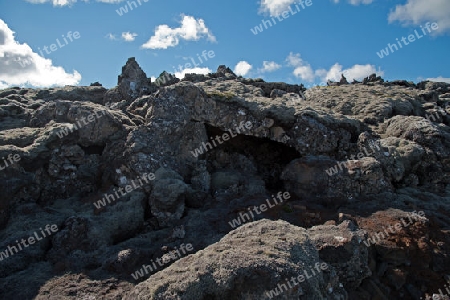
[[309, 44]]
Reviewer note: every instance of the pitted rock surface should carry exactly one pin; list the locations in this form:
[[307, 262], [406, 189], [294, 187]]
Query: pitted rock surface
[[387, 141]]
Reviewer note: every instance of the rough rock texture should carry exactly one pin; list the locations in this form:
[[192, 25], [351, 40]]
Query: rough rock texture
[[354, 158], [132, 81], [252, 260], [167, 200], [165, 79]]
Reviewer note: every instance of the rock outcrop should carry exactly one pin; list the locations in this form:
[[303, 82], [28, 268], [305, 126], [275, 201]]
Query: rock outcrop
[[255, 260], [353, 158]]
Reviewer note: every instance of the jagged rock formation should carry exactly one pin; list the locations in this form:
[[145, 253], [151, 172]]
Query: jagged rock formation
[[343, 80], [133, 81], [166, 79], [354, 158]]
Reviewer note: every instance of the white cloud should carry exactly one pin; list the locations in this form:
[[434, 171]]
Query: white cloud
[[192, 70], [321, 73], [305, 73], [417, 12], [357, 72], [242, 68], [302, 69], [275, 7], [20, 66], [70, 2], [55, 2], [190, 30], [356, 2], [439, 79], [294, 59], [269, 66], [128, 36]]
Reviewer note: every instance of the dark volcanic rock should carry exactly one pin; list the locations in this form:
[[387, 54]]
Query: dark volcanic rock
[[352, 158], [165, 79], [249, 262], [132, 81]]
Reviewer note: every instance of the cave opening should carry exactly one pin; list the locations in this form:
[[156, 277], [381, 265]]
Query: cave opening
[[93, 149], [269, 157]]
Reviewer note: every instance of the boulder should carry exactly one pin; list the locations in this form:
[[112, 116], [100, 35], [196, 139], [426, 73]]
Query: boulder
[[255, 261]]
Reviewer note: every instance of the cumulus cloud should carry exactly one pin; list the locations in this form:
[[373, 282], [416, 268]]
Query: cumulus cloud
[[356, 2], [417, 12], [242, 68], [357, 72], [54, 2], [304, 71], [294, 59], [439, 79], [269, 66], [191, 29], [20, 66], [275, 7], [192, 70], [128, 36], [69, 2]]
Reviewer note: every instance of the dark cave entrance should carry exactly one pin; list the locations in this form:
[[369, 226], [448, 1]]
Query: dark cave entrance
[[269, 157], [93, 149]]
